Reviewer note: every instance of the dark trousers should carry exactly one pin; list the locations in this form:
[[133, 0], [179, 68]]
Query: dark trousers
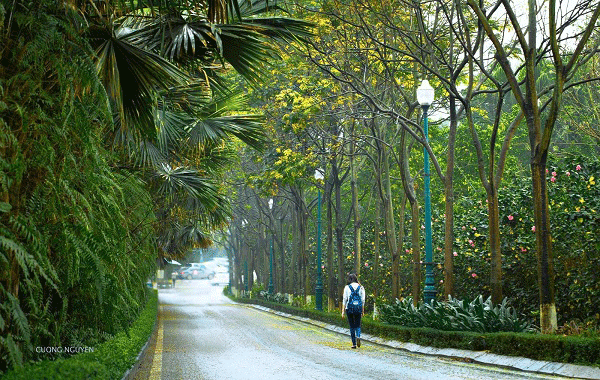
[[354, 321]]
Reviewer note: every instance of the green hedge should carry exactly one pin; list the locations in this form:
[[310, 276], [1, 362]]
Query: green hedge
[[556, 348], [110, 360]]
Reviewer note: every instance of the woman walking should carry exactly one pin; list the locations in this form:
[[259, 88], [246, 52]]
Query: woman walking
[[354, 307]]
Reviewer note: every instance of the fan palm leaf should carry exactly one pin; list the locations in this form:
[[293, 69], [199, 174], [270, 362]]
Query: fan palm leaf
[[132, 76], [245, 127], [188, 114], [215, 122], [246, 45], [185, 183], [193, 233], [215, 158], [175, 241]]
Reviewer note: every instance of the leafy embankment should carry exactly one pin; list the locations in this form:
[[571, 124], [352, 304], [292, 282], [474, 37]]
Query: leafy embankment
[[109, 360]]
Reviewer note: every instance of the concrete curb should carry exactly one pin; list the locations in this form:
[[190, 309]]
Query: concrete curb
[[524, 364]]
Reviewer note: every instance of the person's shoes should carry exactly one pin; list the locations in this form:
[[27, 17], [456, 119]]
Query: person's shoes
[[353, 346], [358, 342]]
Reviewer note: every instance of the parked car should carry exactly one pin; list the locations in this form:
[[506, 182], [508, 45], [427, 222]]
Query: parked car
[[196, 271], [181, 271]]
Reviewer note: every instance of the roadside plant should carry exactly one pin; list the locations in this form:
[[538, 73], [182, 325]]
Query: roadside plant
[[277, 297], [456, 315]]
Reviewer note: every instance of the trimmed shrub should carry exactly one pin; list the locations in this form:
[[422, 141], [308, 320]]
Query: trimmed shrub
[[110, 360]]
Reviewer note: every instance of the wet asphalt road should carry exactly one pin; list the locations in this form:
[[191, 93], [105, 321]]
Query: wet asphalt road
[[203, 335]]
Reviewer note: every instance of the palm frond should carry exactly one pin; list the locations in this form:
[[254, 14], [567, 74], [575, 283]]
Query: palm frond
[[188, 181], [246, 45], [188, 97], [283, 29], [131, 76], [245, 127], [148, 153], [176, 240], [194, 234], [170, 130], [206, 120], [214, 159], [249, 8], [216, 122], [213, 10]]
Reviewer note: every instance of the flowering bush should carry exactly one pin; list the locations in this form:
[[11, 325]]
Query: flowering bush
[[575, 205]]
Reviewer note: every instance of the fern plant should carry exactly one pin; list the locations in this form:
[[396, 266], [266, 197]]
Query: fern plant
[[75, 252], [109, 153]]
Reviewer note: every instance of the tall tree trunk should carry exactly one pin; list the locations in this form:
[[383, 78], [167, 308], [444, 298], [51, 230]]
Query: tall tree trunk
[[332, 298], [235, 274], [293, 281], [390, 227], [416, 251], [409, 190], [305, 262], [490, 184], [251, 266], [401, 225], [239, 266], [303, 244], [376, 231], [449, 206], [263, 257], [355, 209], [548, 320], [495, 248], [302, 218], [282, 240], [339, 229]]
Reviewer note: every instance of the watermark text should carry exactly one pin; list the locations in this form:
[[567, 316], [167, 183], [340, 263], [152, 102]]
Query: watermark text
[[63, 349]]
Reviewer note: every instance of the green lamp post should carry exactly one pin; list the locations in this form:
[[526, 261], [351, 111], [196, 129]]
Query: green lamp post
[[425, 96], [319, 285]]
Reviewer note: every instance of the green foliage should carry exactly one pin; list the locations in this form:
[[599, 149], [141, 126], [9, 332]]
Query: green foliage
[[74, 234], [574, 194], [575, 220], [454, 315], [106, 144], [109, 360]]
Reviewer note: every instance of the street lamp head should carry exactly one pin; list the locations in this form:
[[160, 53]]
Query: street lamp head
[[425, 94], [318, 174], [271, 204]]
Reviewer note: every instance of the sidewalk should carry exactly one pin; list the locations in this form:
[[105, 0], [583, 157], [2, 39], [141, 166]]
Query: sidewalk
[[482, 357]]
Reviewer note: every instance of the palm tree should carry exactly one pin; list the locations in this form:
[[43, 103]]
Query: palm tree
[[134, 124], [160, 65]]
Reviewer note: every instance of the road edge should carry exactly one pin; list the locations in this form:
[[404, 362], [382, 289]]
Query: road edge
[[132, 372], [481, 357]]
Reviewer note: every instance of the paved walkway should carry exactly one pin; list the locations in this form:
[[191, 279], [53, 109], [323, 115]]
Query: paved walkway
[[524, 364]]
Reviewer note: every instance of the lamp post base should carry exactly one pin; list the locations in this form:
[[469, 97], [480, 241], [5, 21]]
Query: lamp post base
[[429, 295], [429, 292], [319, 297]]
